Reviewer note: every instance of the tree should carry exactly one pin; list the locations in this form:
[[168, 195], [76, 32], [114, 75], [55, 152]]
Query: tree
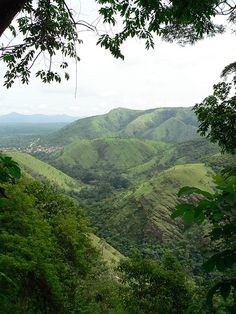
[[49, 27], [8, 10], [9, 172], [176, 20], [217, 112], [45, 250], [218, 209], [217, 117], [153, 287]]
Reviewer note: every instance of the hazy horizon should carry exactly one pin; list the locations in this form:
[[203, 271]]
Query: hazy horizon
[[73, 116]]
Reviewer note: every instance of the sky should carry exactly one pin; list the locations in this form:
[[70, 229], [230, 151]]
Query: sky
[[168, 76]]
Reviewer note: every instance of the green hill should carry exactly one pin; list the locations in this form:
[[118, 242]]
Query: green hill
[[44, 172], [107, 125], [130, 159], [172, 125], [140, 217], [111, 153]]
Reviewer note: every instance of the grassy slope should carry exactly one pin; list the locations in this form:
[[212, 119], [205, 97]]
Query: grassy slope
[[37, 169], [173, 131], [95, 127], [142, 215], [111, 153], [170, 125], [109, 253], [159, 194]]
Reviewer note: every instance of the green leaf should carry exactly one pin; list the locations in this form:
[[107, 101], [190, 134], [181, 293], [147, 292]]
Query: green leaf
[[209, 265], [181, 209], [190, 190], [4, 202], [225, 290], [189, 216], [211, 293], [199, 218], [15, 172]]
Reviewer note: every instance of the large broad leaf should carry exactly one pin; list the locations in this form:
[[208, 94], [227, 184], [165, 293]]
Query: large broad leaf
[[206, 204], [189, 216], [224, 288], [181, 209], [199, 217], [221, 261], [210, 264], [190, 190]]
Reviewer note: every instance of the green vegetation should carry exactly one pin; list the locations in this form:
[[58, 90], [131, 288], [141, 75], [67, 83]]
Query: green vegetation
[[23, 134], [46, 252], [110, 255], [216, 115], [218, 209], [129, 195], [171, 125], [40, 169], [155, 287], [47, 262], [109, 154], [140, 216], [107, 125], [23, 129]]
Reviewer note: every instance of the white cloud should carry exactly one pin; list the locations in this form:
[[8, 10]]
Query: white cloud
[[170, 75]]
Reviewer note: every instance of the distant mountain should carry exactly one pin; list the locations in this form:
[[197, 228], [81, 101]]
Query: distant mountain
[[171, 125], [15, 118]]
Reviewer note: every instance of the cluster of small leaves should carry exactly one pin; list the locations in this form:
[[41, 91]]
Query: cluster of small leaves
[[154, 287], [228, 70], [9, 170], [217, 116], [219, 210], [48, 27], [45, 250], [9, 173], [177, 20]]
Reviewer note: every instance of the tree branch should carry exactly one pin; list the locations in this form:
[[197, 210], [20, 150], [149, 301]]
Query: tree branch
[[8, 10]]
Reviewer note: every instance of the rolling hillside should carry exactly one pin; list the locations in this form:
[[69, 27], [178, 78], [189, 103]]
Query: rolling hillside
[[108, 125], [111, 153], [42, 171], [110, 255], [141, 216], [172, 125], [131, 165], [132, 159]]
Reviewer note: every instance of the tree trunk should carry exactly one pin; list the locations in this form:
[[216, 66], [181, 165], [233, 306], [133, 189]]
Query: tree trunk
[[8, 10]]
